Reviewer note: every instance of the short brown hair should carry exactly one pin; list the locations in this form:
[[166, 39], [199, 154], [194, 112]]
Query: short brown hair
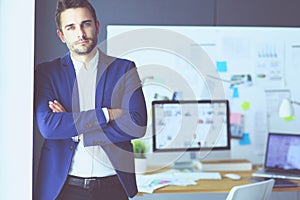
[[63, 5]]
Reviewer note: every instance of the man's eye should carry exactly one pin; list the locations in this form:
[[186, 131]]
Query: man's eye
[[70, 28], [86, 24]]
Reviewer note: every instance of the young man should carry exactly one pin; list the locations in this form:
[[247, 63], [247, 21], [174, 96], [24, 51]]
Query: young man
[[89, 106]]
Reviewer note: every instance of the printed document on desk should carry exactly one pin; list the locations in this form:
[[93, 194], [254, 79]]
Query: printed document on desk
[[149, 183]]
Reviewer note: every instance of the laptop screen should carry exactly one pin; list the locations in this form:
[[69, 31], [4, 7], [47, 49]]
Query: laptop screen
[[283, 151]]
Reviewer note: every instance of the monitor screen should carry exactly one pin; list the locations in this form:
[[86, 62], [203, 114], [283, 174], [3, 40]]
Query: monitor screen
[[190, 125]]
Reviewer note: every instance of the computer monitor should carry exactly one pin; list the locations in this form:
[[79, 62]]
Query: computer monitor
[[191, 126]]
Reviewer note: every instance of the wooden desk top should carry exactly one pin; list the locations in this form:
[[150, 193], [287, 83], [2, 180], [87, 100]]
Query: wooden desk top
[[219, 186]]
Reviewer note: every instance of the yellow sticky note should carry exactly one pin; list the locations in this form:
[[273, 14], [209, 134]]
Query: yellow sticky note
[[246, 105], [287, 119]]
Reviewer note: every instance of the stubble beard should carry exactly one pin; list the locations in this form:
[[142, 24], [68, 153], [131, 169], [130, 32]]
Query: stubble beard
[[85, 50]]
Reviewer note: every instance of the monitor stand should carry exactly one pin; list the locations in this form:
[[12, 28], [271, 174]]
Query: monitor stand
[[186, 162]]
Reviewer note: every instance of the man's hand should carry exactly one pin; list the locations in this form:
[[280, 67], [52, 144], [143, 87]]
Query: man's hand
[[55, 106], [114, 113]]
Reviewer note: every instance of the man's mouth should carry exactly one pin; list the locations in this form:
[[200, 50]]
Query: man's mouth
[[82, 42]]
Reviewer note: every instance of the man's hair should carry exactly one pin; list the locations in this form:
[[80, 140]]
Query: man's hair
[[63, 5]]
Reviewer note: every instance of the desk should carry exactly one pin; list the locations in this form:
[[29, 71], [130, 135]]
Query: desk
[[216, 189]]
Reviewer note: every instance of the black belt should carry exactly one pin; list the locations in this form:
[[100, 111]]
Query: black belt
[[86, 183]]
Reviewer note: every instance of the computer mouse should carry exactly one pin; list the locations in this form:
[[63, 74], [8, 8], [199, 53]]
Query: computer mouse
[[233, 176]]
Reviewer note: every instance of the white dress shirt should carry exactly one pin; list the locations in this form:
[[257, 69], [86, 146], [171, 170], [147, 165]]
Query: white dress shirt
[[89, 161]]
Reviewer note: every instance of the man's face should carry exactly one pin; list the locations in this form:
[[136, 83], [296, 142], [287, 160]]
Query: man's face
[[78, 30]]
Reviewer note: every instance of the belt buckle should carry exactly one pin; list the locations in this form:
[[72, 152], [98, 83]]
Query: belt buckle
[[86, 182]]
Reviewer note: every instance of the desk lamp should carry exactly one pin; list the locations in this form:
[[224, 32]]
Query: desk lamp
[[286, 108]]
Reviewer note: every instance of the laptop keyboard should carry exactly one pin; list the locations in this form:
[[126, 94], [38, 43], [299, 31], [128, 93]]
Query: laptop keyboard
[[279, 182]]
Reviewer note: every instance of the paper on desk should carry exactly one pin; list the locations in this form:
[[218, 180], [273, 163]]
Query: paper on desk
[[149, 183]]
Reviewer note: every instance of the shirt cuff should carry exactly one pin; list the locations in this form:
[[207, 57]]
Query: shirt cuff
[[75, 138], [105, 112]]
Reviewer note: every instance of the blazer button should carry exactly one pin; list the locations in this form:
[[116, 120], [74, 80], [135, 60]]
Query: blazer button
[[72, 147]]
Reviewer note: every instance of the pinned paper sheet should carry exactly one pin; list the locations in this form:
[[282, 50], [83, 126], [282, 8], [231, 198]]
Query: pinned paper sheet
[[245, 105], [245, 139], [221, 66], [236, 125]]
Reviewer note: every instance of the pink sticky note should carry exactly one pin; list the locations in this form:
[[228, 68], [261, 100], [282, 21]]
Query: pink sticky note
[[236, 118]]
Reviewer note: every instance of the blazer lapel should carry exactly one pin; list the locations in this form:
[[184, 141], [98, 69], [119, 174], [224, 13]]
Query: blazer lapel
[[102, 73], [70, 78]]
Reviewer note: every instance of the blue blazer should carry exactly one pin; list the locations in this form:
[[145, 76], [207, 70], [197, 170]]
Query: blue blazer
[[118, 86]]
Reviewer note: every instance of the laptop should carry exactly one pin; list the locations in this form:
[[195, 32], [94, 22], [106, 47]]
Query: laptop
[[282, 159]]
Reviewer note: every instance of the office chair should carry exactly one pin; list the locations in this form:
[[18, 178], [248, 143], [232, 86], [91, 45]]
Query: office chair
[[254, 191]]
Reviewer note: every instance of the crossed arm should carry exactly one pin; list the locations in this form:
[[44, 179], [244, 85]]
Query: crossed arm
[[55, 106]]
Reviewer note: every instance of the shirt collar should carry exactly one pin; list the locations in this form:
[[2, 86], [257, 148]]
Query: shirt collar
[[92, 64]]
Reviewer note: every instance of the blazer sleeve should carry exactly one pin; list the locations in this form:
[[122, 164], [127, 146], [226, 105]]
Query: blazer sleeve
[[133, 122], [50, 84]]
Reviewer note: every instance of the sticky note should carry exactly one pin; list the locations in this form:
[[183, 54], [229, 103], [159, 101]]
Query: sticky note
[[236, 118], [246, 105], [221, 66], [235, 93], [288, 119], [245, 139]]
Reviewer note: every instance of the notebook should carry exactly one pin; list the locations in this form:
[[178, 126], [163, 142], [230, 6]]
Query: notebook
[[282, 159]]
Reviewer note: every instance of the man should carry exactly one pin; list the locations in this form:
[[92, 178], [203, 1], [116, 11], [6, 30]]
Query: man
[[89, 106]]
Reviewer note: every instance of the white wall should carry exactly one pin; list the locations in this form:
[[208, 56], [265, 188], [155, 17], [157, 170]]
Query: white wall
[[16, 107]]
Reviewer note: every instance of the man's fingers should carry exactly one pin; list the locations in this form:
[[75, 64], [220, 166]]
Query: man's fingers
[[55, 106], [115, 113]]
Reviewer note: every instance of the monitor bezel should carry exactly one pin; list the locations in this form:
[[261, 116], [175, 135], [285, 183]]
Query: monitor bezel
[[226, 102]]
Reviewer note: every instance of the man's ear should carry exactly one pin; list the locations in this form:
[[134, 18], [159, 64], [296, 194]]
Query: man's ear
[[98, 27], [61, 35]]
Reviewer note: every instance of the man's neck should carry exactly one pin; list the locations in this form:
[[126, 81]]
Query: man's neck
[[85, 59]]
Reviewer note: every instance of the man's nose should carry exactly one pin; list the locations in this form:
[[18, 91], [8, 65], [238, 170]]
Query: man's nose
[[81, 33]]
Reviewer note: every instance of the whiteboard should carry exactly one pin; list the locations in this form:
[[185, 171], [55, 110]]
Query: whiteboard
[[253, 67]]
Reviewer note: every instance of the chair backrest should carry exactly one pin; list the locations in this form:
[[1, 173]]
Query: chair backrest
[[254, 191]]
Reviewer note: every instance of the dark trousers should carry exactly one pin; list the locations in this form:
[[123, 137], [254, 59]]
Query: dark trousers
[[107, 188]]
